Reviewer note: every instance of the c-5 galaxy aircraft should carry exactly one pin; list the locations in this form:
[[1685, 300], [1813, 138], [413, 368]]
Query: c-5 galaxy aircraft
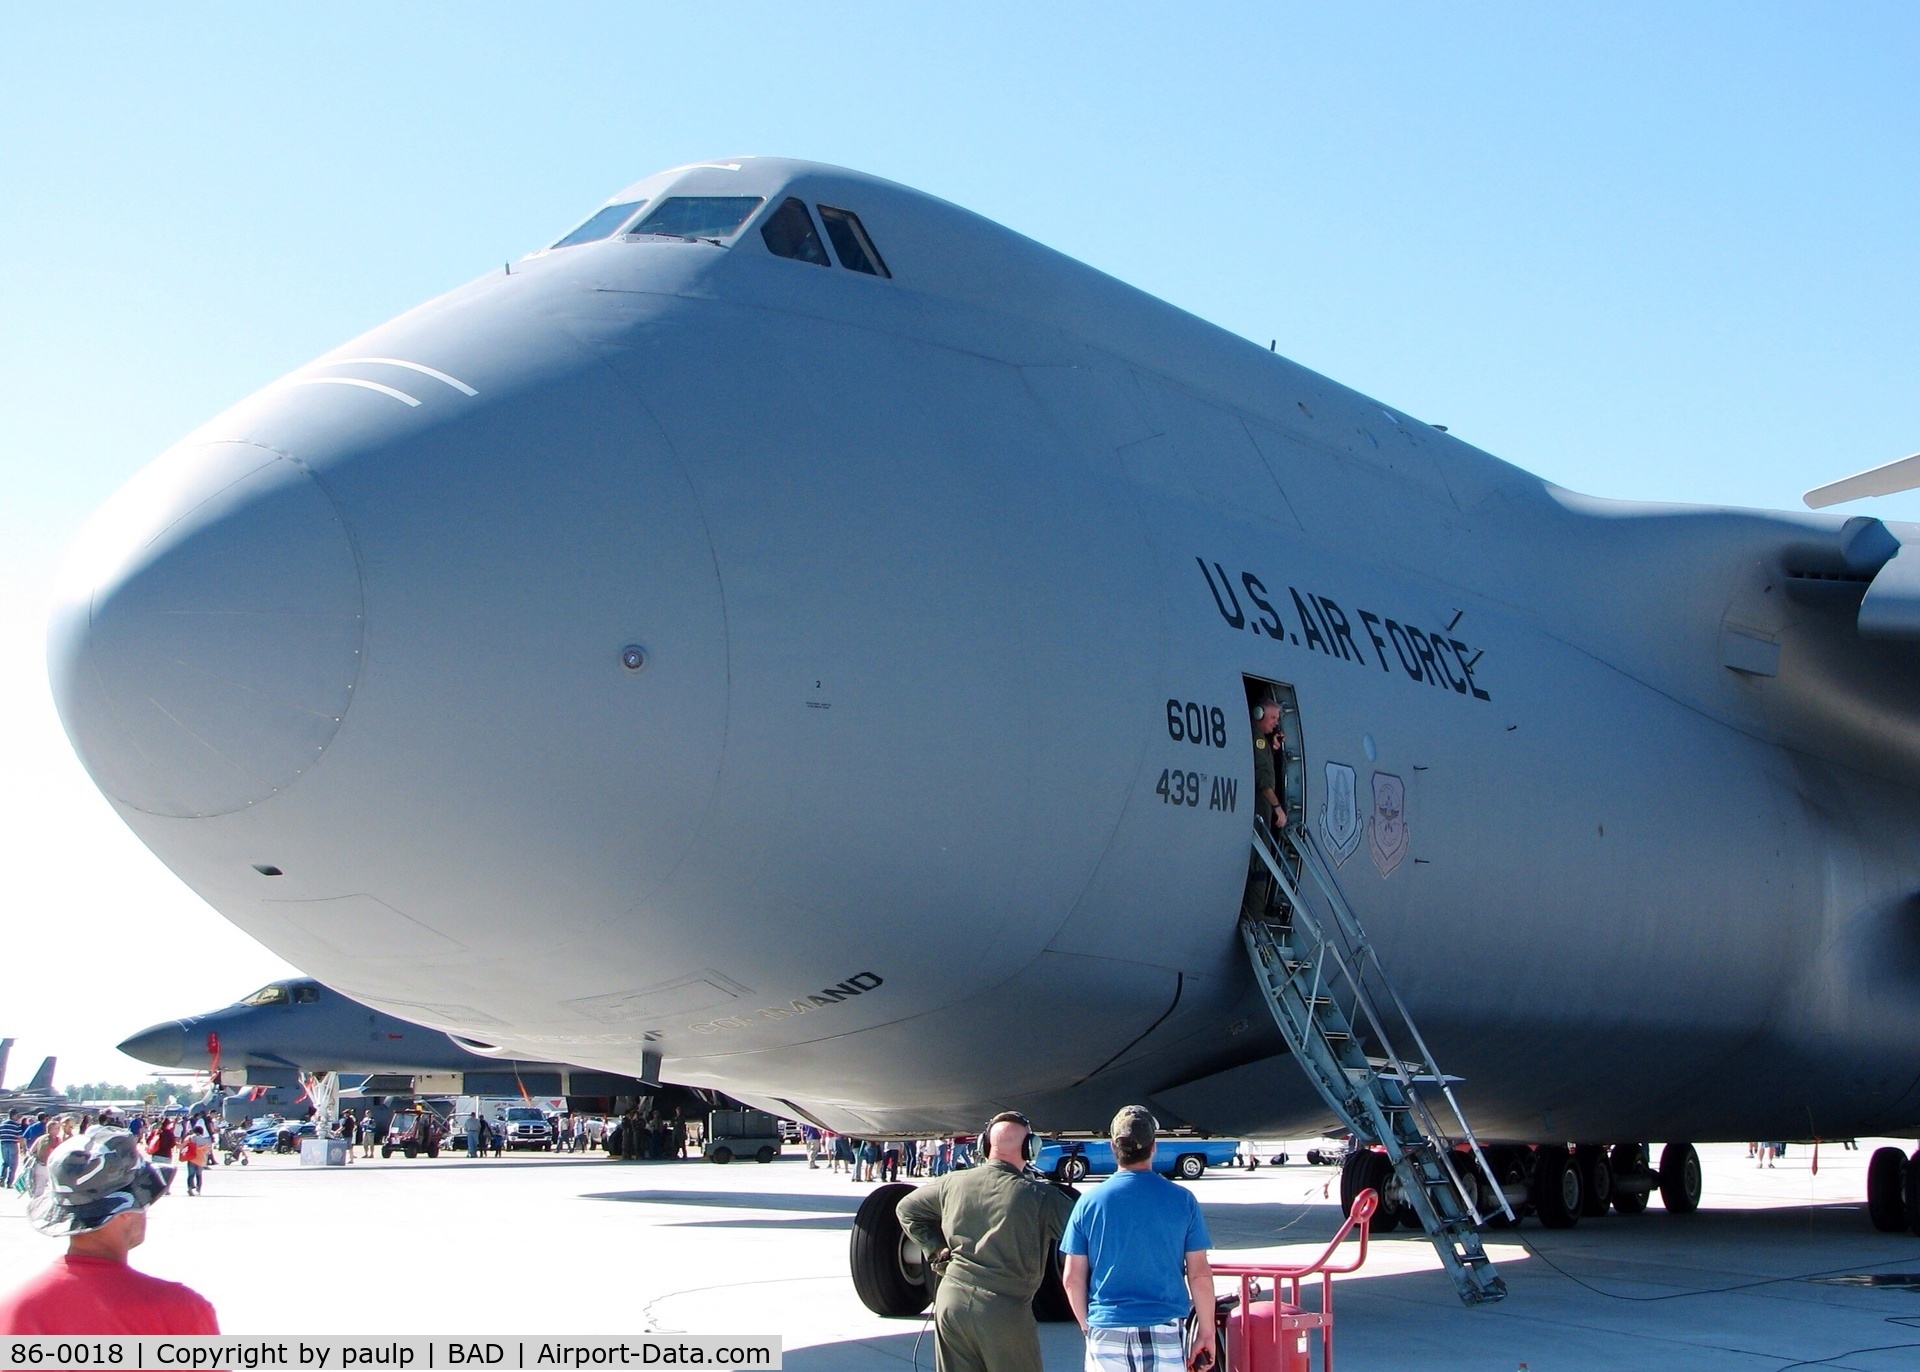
[[294, 1026], [37, 1095], [804, 630]]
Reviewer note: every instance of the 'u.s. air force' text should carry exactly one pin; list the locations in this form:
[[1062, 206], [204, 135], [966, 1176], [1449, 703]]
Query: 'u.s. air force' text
[[1435, 658]]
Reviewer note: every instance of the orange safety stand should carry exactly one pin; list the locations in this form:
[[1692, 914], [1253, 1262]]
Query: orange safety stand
[[1275, 1339]]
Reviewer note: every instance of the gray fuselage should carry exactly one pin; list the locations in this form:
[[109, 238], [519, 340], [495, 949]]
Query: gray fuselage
[[921, 570]]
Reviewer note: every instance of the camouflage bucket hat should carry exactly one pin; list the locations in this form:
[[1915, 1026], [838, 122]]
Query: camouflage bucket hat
[[90, 1179]]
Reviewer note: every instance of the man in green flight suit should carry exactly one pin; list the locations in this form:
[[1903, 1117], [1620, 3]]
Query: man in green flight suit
[[989, 1231], [1267, 741]]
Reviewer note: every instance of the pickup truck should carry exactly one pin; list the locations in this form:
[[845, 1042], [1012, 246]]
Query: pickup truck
[[1072, 1160]]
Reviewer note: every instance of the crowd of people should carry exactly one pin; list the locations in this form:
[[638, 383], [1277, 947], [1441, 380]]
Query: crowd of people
[[878, 1160], [28, 1139]]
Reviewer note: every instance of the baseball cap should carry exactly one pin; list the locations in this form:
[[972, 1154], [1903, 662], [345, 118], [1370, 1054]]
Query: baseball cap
[[1136, 1124]]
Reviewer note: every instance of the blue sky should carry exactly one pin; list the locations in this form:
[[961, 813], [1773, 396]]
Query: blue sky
[[1648, 251]]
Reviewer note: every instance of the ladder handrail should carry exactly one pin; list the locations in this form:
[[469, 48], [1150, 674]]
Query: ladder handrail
[[1362, 950], [1312, 856]]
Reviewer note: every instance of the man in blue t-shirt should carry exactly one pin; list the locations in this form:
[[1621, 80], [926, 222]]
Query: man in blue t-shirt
[[1136, 1251]]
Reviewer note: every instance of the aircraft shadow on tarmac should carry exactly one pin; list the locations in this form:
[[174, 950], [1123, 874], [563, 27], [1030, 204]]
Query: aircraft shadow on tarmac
[[1704, 1291], [734, 1200]]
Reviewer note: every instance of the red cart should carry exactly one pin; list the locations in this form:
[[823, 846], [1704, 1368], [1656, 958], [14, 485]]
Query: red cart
[[1268, 1334]]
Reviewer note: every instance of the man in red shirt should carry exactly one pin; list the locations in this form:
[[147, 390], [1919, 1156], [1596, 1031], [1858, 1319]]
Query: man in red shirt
[[95, 1191]]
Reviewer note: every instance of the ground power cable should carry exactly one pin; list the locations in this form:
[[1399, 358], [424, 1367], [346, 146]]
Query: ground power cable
[[1679, 1295]]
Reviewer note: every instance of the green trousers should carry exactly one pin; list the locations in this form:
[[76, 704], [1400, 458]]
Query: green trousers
[[975, 1331]]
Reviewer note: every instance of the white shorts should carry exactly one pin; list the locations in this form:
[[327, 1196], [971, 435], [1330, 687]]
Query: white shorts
[[1156, 1348]]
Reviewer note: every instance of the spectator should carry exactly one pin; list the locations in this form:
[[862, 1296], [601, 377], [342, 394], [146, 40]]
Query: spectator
[[473, 1127], [1136, 1251], [96, 1194], [194, 1152], [12, 1132]]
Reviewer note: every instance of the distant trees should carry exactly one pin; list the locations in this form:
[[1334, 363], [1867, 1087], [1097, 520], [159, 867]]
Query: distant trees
[[156, 1093]]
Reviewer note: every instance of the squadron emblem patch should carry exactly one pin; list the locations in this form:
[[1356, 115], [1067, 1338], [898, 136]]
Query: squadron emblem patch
[[1387, 835]]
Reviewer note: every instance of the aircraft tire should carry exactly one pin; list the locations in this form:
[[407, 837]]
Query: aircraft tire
[[1913, 1192], [1559, 1190], [723, 1156], [1190, 1166], [1887, 1190], [890, 1275], [1050, 1303], [1367, 1170], [1628, 1158], [1596, 1177], [1680, 1178]]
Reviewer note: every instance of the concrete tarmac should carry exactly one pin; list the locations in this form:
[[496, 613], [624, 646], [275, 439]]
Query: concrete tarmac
[[539, 1244]]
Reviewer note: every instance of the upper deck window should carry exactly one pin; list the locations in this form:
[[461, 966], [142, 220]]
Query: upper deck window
[[850, 241], [602, 224], [789, 233], [275, 994], [698, 216]]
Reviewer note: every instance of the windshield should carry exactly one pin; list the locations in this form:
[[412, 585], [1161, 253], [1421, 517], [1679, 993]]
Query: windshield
[[698, 216], [524, 1113], [602, 224], [275, 994]]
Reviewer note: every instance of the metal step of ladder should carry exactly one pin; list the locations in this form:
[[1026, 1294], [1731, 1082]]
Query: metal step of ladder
[[1328, 991]]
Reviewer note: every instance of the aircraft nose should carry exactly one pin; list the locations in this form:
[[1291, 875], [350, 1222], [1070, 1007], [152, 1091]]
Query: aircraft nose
[[164, 1045], [207, 638]]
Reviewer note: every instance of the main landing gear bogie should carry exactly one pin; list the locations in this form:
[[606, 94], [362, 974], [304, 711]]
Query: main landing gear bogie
[[1556, 1184], [1893, 1191]]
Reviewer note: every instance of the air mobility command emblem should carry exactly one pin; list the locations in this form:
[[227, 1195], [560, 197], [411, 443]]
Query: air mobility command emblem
[[1340, 814]]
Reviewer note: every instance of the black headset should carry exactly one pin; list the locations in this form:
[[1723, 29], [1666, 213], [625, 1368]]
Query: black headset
[[1027, 1145]]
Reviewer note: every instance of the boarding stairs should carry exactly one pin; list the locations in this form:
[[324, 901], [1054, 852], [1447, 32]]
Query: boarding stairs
[[1334, 1005]]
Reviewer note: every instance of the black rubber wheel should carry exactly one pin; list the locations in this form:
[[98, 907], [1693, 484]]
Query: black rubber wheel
[[411, 1151], [1509, 1165], [386, 1150], [1190, 1167], [889, 1271], [1596, 1177], [1887, 1190], [1680, 1178], [433, 1150], [1559, 1191], [1913, 1192], [1628, 1159], [723, 1156], [1363, 1171], [765, 1154], [1050, 1303], [1072, 1168]]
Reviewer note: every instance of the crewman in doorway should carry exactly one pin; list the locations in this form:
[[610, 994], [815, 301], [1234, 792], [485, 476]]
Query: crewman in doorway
[[1268, 743], [989, 1232]]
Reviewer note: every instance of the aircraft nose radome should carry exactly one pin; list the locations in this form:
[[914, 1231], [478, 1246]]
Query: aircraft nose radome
[[164, 1045], [207, 640]]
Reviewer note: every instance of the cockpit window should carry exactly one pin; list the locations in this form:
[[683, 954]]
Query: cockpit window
[[602, 224], [850, 241], [698, 216], [789, 233], [275, 994], [306, 995]]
